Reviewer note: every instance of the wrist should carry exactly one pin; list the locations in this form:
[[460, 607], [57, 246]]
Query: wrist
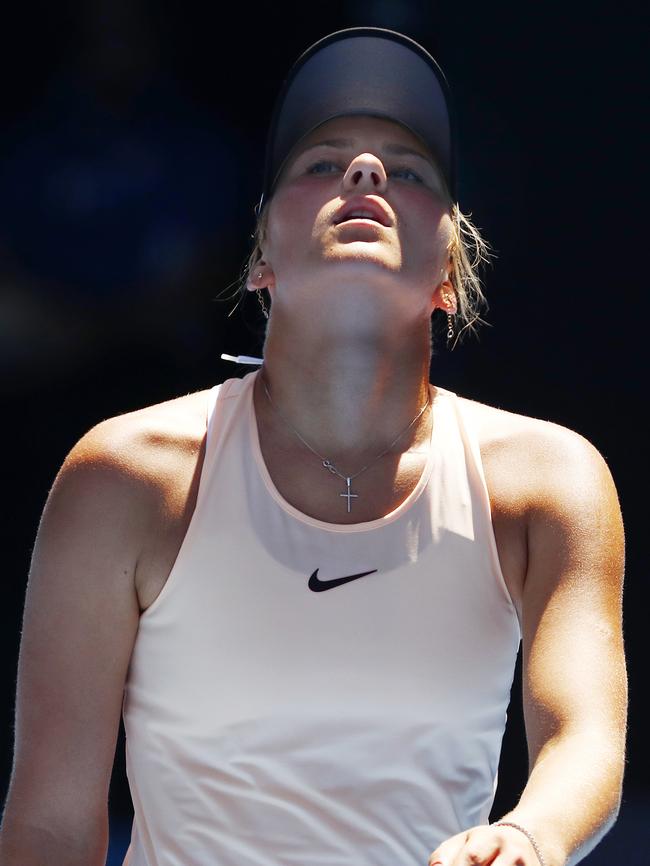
[[529, 836], [544, 844]]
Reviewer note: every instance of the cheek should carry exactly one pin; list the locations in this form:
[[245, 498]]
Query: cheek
[[289, 233], [444, 235], [430, 228], [291, 215], [433, 210]]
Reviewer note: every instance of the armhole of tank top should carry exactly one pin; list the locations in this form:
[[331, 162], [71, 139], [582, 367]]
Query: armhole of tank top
[[474, 454], [213, 395]]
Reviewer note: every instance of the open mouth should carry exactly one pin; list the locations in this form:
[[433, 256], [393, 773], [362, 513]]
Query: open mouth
[[358, 216], [362, 211]]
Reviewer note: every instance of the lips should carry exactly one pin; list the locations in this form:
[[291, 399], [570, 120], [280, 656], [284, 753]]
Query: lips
[[366, 208]]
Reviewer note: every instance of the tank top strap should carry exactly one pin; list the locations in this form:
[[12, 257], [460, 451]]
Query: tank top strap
[[480, 492]]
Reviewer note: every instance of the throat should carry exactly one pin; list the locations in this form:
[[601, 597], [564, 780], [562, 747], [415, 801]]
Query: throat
[[335, 438]]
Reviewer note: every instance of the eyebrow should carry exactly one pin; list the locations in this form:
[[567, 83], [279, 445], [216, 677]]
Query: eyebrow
[[392, 149]]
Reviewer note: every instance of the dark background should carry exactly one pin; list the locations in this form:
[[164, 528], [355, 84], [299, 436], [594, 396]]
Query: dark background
[[130, 161]]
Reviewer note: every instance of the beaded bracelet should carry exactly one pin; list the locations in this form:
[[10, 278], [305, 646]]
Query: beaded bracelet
[[526, 833]]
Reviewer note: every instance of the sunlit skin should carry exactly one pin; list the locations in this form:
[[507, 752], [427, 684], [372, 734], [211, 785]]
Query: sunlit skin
[[347, 352], [347, 357]]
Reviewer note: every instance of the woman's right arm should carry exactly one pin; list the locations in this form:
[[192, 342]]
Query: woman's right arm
[[80, 621]]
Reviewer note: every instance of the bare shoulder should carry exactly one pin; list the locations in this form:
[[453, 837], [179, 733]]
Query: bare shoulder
[[121, 487], [115, 472], [142, 451], [146, 465], [141, 463], [526, 459], [138, 442], [544, 481]]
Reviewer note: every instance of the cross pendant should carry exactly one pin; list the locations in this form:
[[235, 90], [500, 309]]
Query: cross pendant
[[349, 495]]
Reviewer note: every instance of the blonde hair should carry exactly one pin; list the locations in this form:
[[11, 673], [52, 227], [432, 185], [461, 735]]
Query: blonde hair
[[468, 250]]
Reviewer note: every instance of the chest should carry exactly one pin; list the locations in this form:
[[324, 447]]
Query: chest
[[304, 483], [356, 493]]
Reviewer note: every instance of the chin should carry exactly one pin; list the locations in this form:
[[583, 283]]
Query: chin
[[360, 254]]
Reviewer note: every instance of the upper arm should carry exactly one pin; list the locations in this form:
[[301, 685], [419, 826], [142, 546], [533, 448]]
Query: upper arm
[[573, 656], [79, 625]]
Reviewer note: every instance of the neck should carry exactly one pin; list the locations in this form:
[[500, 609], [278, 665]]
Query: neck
[[348, 399]]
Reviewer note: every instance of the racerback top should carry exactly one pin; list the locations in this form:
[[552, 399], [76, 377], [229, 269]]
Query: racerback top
[[355, 723]]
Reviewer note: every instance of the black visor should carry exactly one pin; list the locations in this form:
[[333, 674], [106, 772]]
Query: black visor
[[366, 71]]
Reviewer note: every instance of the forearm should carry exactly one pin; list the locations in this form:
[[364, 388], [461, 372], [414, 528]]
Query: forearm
[[572, 797], [25, 844]]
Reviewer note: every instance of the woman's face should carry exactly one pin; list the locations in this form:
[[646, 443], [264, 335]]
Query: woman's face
[[359, 161]]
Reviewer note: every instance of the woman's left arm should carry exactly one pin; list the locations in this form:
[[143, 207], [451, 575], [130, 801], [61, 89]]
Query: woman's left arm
[[574, 672]]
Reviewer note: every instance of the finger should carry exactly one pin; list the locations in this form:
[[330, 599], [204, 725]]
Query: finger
[[480, 846], [509, 859], [445, 853], [516, 850], [478, 851]]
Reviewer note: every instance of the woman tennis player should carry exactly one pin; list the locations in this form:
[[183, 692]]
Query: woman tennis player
[[305, 588]]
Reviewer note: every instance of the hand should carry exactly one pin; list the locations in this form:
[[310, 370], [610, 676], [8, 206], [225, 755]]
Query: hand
[[485, 845]]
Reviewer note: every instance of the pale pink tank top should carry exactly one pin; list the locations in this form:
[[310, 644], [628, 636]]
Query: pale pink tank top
[[356, 723]]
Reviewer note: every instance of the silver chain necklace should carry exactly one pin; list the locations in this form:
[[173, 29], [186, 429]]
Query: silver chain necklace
[[328, 463]]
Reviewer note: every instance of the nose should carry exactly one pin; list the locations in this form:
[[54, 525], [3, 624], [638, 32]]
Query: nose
[[365, 173]]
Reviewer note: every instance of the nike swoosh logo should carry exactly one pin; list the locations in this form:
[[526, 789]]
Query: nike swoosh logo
[[318, 585]]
